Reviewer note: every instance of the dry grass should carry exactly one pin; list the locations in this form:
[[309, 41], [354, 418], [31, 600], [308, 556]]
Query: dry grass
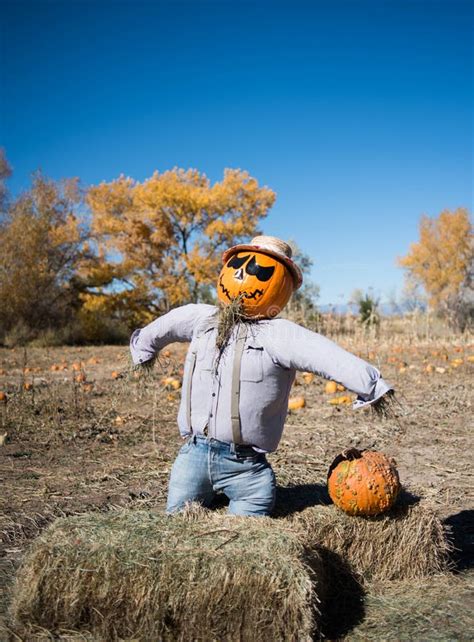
[[422, 611], [408, 542], [146, 576], [228, 317], [387, 407], [414, 327], [69, 451]]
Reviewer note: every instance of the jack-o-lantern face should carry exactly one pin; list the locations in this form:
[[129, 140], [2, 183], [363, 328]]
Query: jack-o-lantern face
[[264, 283]]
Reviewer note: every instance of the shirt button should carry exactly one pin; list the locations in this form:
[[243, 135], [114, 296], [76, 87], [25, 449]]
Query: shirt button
[[211, 415], [213, 394]]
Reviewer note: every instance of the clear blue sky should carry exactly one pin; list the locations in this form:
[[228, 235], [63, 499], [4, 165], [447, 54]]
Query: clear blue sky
[[358, 113]]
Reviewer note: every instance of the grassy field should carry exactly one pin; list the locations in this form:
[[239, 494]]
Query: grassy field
[[78, 434]]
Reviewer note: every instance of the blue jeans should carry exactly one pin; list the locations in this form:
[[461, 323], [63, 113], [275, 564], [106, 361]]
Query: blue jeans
[[205, 466]]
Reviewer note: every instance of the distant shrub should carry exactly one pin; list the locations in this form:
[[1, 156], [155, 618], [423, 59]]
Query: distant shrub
[[19, 334], [367, 305], [97, 327], [100, 331]]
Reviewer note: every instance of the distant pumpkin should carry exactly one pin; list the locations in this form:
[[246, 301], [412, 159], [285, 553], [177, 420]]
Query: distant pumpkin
[[341, 400], [363, 482], [263, 281], [295, 403], [330, 388], [171, 383]]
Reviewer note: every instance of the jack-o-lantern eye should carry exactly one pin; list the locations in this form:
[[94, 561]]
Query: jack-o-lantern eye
[[236, 262], [262, 273]]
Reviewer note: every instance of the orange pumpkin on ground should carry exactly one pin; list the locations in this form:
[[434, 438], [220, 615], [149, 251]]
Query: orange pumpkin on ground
[[363, 482], [171, 383], [330, 388], [295, 403], [341, 400]]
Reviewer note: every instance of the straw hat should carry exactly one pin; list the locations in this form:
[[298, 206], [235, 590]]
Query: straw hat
[[273, 247]]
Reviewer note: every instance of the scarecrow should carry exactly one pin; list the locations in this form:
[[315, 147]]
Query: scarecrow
[[238, 373]]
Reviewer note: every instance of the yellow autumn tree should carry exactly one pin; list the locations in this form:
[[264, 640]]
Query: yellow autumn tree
[[159, 241], [41, 248], [442, 263]]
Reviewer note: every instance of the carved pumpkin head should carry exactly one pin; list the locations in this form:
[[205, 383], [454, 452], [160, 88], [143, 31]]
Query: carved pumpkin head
[[262, 273], [363, 482]]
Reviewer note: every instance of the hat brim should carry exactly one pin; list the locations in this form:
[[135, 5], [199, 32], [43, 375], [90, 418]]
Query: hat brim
[[291, 265]]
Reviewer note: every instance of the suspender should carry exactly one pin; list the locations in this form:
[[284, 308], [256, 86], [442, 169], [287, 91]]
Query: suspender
[[235, 390], [192, 365]]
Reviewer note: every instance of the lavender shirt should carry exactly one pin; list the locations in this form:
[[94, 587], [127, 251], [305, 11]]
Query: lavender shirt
[[274, 350]]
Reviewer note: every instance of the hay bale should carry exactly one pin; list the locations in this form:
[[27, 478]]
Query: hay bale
[[408, 542], [436, 608], [147, 576]]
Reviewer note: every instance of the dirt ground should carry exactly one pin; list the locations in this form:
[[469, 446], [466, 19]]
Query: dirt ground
[[78, 433]]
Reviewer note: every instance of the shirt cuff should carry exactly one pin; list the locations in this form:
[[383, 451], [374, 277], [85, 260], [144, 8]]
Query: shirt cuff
[[139, 354], [381, 388]]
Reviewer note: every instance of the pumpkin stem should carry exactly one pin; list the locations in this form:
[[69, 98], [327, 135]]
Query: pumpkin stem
[[351, 454], [347, 454]]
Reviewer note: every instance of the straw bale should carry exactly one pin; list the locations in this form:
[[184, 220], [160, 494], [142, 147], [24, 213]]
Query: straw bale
[[437, 608], [408, 542], [148, 576]]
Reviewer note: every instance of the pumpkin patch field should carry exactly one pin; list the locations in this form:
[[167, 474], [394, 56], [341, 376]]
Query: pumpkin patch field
[[82, 434]]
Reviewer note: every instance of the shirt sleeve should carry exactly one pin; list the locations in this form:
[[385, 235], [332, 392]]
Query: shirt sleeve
[[295, 347], [176, 325]]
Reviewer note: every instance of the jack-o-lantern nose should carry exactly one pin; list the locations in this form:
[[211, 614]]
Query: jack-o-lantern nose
[[239, 274]]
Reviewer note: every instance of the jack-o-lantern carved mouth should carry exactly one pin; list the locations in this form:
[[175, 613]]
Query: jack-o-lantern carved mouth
[[246, 295]]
